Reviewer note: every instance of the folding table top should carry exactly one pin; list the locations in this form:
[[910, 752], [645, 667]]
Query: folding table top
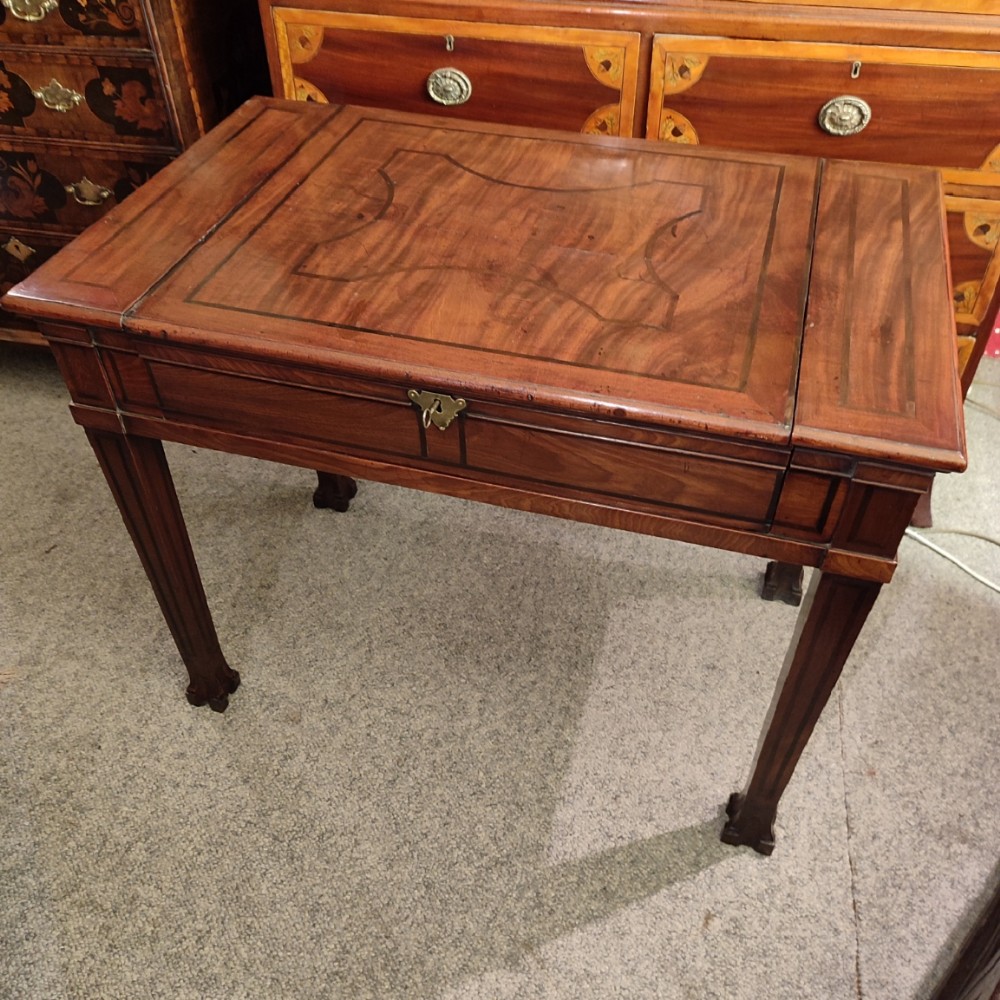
[[777, 299]]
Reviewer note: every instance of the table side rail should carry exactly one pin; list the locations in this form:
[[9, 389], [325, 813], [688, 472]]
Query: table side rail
[[800, 506]]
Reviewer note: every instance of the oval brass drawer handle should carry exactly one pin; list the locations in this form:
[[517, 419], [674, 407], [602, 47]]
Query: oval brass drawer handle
[[56, 97], [449, 86], [86, 192], [30, 10], [844, 115]]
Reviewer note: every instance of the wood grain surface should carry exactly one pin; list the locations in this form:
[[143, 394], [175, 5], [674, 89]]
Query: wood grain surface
[[878, 362], [599, 276], [573, 271]]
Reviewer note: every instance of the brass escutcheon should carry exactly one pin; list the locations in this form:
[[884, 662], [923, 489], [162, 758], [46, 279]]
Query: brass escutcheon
[[435, 407], [18, 250]]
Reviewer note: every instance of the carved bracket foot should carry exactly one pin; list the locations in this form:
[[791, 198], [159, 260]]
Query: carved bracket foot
[[782, 582], [748, 827], [334, 492], [215, 695]]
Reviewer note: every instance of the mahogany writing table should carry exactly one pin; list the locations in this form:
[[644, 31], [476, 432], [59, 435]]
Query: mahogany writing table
[[752, 352]]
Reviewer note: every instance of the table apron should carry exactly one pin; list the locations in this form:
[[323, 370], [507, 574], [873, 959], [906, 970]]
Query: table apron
[[798, 506]]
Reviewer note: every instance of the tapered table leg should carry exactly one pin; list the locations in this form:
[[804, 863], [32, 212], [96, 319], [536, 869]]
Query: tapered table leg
[[334, 492], [137, 472], [831, 617]]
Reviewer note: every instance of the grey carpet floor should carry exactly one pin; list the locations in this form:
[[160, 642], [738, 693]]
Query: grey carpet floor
[[477, 754]]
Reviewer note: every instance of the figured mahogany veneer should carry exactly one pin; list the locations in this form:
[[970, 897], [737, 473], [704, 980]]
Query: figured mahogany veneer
[[716, 347]]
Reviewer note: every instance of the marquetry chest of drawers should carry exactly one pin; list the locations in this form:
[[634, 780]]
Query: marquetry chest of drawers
[[901, 81], [95, 97]]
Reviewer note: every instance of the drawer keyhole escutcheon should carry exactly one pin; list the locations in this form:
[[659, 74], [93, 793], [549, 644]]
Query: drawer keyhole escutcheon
[[56, 97], [449, 86], [845, 115], [30, 10], [435, 407], [18, 250], [86, 192]]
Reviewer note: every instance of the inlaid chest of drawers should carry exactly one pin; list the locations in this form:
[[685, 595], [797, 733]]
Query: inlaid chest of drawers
[[901, 81], [505, 314], [95, 97]]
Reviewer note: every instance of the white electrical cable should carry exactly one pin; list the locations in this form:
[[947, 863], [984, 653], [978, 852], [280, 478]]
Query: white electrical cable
[[916, 536], [982, 407], [966, 534]]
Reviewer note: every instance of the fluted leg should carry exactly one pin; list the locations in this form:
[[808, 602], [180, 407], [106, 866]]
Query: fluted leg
[[137, 472], [831, 617]]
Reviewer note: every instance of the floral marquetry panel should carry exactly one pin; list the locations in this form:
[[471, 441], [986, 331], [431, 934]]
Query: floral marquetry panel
[[83, 98], [27, 192], [17, 102], [108, 18], [681, 71], [607, 65], [82, 23], [127, 100], [55, 189], [97, 95]]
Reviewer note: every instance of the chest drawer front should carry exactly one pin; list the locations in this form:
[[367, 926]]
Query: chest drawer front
[[52, 189], [101, 23], [575, 79], [101, 98], [771, 96]]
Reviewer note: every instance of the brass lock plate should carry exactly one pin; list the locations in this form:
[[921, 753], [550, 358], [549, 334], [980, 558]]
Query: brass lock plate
[[436, 408]]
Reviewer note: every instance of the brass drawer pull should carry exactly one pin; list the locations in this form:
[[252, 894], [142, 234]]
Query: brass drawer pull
[[449, 86], [436, 408], [30, 10], [844, 115], [86, 192], [56, 97]]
